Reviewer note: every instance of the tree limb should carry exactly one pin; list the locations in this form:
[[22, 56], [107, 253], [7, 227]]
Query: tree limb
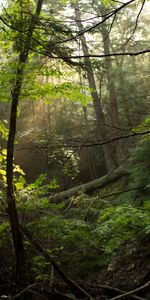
[[106, 287], [132, 292], [23, 291], [112, 13], [102, 55]]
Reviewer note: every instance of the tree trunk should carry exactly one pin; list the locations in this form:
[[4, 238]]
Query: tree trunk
[[122, 88], [21, 267], [113, 106], [12, 211], [101, 130]]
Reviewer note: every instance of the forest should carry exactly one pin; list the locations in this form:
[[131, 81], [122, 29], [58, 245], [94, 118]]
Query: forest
[[74, 149]]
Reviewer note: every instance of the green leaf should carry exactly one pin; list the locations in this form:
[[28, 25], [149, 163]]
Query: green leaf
[[53, 184], [18, 170]]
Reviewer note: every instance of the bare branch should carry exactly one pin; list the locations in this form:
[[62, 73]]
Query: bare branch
[[87, 144], [117, 290], [24, 291], [100, 55], [136, 23], [123, 191], [112, 13], [132, 292]]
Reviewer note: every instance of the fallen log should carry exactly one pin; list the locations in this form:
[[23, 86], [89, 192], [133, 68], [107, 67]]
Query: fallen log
[[92, 186]]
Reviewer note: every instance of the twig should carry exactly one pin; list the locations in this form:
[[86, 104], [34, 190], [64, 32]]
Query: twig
[[99, 55], [123, 191], [117, 290], [132, 292], [23, 291], [136, 24], [95, 25], [87, 144]]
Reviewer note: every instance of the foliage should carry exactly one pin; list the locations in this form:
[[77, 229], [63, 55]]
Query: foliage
[[4, 233], [121, 224], [31, 197], [139, 173], [81, 244], [41, 268], [4, 130], [49, 91]]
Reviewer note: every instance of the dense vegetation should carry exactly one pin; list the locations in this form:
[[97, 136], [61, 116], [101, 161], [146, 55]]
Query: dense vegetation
[[75, 148]]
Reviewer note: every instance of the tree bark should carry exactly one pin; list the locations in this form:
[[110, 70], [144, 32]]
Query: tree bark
[[21, 267]]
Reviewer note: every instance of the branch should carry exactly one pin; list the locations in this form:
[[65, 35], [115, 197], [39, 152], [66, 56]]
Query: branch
[[106, 287], [99, 55], [83, 20], [24, 291], [97, 24], [136, 23], [132, 292], [113, 139], [11, 26], [91, 144], [123, 191]]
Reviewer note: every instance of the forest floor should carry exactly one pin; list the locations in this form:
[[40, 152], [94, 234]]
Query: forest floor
[[130, 271]]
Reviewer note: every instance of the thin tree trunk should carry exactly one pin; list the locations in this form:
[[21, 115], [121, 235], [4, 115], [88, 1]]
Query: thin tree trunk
[[91, 164], [15, 94], [113, 106], [124, 98], [101, 130]]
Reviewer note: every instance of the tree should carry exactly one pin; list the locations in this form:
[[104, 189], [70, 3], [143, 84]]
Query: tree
[[100, 119], [21, 267]]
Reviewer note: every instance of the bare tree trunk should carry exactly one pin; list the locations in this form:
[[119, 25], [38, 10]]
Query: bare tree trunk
[[101, 130], [15, 93], [125, 102], [113, 106], [12, 211]]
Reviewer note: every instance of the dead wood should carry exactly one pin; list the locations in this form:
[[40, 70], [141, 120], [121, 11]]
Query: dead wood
[[23, 291], [106, 287], [92, 186], [141, 288]]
